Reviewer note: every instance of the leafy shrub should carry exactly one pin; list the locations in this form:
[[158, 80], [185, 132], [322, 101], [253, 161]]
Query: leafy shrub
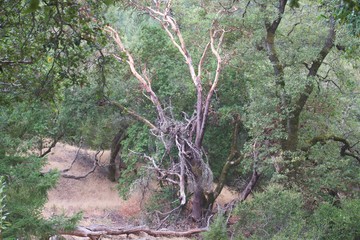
[[278, 213], [26, 194], [275, 213], [332, 222], [217, 230], [165, 199]]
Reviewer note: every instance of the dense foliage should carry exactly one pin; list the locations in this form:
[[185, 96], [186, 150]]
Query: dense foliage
[[46, 47], [278, 213]]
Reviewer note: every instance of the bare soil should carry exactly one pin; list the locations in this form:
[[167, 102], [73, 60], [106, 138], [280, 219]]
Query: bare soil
[[95, 196]]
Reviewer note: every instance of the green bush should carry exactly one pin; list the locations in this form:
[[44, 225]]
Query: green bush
[[275, 213], [26, 193], [278, 213], [217, 230], [332, 222], [165, 199]]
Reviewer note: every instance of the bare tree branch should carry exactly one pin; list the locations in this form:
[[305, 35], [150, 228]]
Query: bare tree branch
[[75, 158], [144, 84], [215, 51], [96, 164], [53, 144], [94, 232]]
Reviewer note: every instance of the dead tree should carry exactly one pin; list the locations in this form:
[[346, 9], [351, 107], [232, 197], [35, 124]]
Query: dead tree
[[188, 170]]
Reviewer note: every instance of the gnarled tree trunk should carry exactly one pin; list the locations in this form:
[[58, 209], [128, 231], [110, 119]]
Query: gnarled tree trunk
[[290, 123]]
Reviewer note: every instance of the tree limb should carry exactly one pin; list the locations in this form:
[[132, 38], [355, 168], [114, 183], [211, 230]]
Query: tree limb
[[250, 186], [53, 144], [146, 85], [96, 164], [316, 64], [232, 160], [346, 149], [94, 232], [254, 177], [134, 115], [81, 176], [75, 158]]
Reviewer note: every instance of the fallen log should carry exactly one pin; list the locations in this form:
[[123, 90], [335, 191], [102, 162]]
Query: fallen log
[[95, 232]]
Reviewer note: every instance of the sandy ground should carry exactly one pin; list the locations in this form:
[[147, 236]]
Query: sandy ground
[[95, 196]]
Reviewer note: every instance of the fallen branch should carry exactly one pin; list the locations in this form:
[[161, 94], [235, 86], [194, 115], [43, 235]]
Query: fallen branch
[[96, 164], [95, 232], [82, 176]]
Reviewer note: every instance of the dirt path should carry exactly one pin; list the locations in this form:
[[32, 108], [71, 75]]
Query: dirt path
[[95, 195]]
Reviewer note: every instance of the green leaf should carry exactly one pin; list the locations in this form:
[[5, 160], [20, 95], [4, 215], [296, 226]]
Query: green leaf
[[109, 2], [33, 6], [294, 4]]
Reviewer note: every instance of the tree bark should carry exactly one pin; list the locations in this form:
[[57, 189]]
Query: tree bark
[[114, 152], [198, 203], [250, 186]]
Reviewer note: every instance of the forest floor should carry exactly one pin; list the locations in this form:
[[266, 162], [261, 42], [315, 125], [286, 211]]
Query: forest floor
[[95, 196]]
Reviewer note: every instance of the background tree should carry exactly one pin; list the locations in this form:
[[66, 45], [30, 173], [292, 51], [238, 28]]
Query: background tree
[[44, 48]]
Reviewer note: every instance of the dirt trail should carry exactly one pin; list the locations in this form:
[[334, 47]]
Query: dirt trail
[[95, 195]]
